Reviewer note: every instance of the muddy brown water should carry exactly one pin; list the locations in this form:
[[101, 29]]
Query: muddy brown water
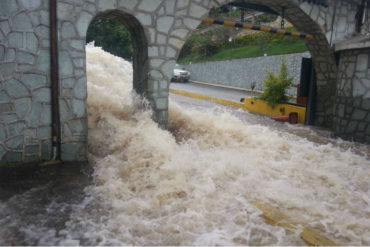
[[192, 185]]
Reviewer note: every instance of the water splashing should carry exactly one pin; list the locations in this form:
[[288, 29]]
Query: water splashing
[[195, 184]]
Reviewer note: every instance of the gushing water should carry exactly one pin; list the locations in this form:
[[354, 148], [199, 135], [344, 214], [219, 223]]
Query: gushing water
[[195, 184]]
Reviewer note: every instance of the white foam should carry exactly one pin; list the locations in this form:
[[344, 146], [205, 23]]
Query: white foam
[[194, 185]]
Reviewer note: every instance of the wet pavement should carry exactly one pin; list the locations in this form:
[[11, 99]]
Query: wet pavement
[[42, 198], [64, 176], [39, 205]]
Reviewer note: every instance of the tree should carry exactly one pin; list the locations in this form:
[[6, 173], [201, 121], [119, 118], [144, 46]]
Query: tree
[[112, 36], [275, 86]]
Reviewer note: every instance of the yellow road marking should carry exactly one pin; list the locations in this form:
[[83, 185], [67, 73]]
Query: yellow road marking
[[258, 106], [213, 99], [274, 216]]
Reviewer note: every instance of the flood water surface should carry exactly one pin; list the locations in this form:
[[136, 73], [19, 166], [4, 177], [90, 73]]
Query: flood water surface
[[194, 184]]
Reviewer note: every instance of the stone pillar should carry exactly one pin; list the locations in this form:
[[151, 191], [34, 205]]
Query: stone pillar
[[352, 111], [73, 20], [25, 110], [168, 29]]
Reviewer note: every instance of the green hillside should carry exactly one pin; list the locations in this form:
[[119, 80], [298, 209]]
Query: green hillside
[[206, 47]]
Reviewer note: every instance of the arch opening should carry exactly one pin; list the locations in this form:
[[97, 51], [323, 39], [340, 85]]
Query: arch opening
[[112, 74], [322, 55], [139, 47], [323, 58]]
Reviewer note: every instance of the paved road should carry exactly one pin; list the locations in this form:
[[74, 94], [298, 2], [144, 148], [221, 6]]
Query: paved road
[[213, 91], [311, 133]]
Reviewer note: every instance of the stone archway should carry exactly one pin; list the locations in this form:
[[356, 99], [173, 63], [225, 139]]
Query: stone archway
[[301, 16], [73, 75], [140, 47], [159, 29]]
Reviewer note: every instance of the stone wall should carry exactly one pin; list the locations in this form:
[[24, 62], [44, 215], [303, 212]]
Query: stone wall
[[352, 112], [25, 111], [242, 73], [159, 29], [337, 20]]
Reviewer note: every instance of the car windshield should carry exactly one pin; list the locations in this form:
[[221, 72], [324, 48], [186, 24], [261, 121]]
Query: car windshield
[[178, 67]]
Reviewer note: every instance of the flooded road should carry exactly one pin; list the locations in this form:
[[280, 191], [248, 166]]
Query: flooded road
[[193, 184]]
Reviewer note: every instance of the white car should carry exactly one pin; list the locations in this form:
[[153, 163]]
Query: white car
[[180, 74]]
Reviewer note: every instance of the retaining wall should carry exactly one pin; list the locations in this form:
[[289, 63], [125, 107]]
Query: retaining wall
[[242, 73]]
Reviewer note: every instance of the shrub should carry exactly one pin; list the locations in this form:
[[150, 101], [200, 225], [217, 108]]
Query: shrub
[[205, 49], [258, 38], [275, 85], [201, 45], [265, 18]]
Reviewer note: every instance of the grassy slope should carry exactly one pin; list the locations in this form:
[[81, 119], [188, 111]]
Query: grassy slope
[[247, 51]]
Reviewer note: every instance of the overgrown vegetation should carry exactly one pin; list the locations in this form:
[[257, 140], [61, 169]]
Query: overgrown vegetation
[[208, 47], [265, 18], [112, 36], [276, 85], [210, 44], [224, 11]]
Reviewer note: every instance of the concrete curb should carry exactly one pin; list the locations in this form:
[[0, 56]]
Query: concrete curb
[[236, 88], [228, 87], [209, 98]]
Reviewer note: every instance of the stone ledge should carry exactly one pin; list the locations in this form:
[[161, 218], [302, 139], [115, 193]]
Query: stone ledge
[[359, 42]]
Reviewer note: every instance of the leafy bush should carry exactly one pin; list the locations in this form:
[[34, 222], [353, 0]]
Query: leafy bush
[[215, 12], [201, 45], [275, 86], [258, 38], [265, 18], [214, 45], [194, 41], [205, 49]]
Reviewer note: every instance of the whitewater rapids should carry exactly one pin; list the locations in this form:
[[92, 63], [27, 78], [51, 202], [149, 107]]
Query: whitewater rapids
[[194, 184]]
